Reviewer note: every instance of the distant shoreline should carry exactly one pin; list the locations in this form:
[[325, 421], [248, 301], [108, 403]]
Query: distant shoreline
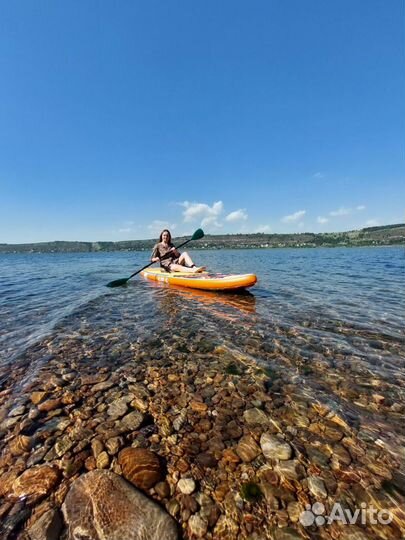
[[387, 235]]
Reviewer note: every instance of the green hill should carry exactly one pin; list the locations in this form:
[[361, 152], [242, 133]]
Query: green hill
[[371, 236]]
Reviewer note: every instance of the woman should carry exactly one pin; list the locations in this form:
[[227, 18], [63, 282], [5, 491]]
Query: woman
[[175, 261]]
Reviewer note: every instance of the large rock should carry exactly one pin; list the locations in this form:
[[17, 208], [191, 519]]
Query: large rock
[[101, 505]]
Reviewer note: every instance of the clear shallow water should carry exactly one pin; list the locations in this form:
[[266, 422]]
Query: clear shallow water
[[332, 293]]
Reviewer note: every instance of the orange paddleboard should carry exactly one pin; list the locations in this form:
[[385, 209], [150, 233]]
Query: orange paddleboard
[[201, 280]]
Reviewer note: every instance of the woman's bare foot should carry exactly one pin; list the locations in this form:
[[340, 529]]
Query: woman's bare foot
[[199, 268]]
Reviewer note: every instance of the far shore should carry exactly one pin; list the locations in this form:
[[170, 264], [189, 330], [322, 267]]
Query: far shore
[[381, 236]]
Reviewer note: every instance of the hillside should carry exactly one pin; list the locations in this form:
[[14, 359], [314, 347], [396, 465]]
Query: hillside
[[372, 236]]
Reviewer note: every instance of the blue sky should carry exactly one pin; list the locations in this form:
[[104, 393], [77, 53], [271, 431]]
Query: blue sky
[[119, 118]]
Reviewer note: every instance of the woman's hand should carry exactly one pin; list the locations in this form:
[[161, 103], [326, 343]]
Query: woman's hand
[[155, 259]]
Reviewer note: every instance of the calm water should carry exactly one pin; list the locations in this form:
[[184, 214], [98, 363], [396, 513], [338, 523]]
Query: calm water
[[327, 301], [326, 288], [324, 327]]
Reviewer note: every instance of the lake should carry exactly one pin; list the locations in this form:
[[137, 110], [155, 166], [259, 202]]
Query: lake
[[321, 334]]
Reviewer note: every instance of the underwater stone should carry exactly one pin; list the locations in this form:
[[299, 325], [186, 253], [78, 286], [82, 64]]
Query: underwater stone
[[275, 448], [130, 514], [140, 466]]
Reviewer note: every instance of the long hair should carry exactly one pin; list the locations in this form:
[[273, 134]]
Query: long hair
[[168, 232]]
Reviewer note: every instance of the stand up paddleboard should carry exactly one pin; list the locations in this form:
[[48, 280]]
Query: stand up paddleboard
[[201, 280]]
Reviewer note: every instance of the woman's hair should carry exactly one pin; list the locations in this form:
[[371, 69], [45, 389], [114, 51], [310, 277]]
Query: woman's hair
[[168, 232]]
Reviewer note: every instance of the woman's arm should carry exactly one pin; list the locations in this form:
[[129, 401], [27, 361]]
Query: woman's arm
[[175, 251], [155, 257]]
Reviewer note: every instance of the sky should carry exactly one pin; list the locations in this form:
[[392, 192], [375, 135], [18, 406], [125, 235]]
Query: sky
[[120, 118]]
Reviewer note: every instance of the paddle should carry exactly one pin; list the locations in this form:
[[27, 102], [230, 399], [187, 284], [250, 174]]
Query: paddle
[[119, 282]]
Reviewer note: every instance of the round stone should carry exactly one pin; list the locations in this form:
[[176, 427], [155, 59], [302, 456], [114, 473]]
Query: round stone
[[186, 485], [275, 448]]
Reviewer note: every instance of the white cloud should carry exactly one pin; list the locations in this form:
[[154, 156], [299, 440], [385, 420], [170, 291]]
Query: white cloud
[[372, 223], [212, 222], [200, 211], [294, 217], [125, 230], [157, 226], [237, 215], [263, 229], [340, 212], [319, 175], [321, 219]]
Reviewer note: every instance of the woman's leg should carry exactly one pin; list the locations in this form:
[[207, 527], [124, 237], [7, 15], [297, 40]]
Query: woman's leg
[[185, 259], [180, 268]]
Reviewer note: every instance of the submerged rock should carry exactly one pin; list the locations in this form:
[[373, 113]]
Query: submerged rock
[[47, 527], [20, 444], [140, 466], [35, 483], [275, 448], [255, 416], [247, 449], [101, 505]]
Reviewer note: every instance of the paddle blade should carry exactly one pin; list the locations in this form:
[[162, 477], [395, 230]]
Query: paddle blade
[[199, 233], [117, 282]]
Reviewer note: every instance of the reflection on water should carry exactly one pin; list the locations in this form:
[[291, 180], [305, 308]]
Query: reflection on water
[[225, 305]]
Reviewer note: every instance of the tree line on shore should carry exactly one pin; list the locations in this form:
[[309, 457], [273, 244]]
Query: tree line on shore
[[370, 236]]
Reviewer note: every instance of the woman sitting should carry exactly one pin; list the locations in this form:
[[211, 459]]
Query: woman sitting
[[170, 258]]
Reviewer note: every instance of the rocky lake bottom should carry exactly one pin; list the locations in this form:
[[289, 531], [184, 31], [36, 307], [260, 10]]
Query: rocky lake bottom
[[204, 416]]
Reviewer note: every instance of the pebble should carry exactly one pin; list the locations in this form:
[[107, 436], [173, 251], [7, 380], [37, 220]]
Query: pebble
[[290, 469], [275, 448], [103, 460], [63, 445], [198, 406], [255, 416], [186, 486], [37, 397], [131, 421], [162, 489], [247, 449], [17, 411], [114, 444], [96, 447], [49, 405], [197, 526], [20, 445], [117, 408], [102, 386], [317, 487]]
